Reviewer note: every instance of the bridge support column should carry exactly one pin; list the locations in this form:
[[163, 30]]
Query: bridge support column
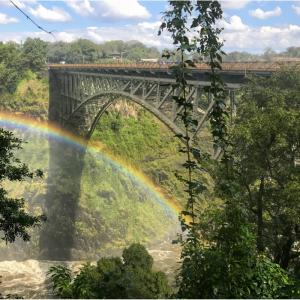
[[232, 103], [64, 105], [174, 104], [158, 94], [209, 97], [197, 95]]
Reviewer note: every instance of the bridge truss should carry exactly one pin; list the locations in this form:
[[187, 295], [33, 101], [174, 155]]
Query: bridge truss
[[87, 90], [85, 97]]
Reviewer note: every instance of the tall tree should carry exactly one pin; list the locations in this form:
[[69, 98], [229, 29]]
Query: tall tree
[[34, 53], [14, 220], [224, 264], [57, 52], [291, 52], [266, 139]]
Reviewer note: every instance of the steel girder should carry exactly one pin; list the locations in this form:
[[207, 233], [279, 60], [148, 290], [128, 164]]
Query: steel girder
[[85, 97]]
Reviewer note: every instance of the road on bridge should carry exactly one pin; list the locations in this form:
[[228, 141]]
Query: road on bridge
[[251, 66]]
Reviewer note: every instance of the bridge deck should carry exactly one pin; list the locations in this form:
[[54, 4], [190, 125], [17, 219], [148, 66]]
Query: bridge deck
[[262, 66]]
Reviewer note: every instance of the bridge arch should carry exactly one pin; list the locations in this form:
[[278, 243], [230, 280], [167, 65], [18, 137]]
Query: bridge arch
[[118, 95]]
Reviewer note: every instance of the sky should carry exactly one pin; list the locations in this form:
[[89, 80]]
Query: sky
[[248, 25]]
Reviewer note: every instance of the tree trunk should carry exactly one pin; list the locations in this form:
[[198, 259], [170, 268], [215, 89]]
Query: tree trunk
[[260, 243], [284, 255], [278, 257], [286, 252]]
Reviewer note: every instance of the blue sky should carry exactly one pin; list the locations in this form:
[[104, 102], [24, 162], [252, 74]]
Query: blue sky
[[250, 25]]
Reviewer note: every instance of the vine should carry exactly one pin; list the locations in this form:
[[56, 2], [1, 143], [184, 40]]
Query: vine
[[225, 262]]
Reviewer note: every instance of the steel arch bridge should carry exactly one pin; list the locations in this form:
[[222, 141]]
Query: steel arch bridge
[[87, 90]]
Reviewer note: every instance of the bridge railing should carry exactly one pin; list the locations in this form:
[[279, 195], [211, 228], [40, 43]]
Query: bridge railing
[[230, 66]]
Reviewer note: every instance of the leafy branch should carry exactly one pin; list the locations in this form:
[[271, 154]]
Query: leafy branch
[[225, 264]]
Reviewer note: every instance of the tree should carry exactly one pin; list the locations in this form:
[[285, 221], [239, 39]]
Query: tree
[[108, 47], [147, 283], [137, 256], [291, 52], [175, 55], [269, 54], [34, 53], [238, 56], [14, 220], [57, 51], [11, 66], [266, 141], [82, 51], [225, 264], [113, 279]]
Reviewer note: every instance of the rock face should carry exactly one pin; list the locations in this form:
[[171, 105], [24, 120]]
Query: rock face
[[95, 209]]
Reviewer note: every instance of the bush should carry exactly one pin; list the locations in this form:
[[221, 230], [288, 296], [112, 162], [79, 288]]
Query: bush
[[147, 283], [136, 256], [113, 279]]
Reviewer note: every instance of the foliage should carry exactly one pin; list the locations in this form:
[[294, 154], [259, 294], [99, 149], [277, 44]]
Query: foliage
[[16, 59], [291, 52], [131, 137], [266, 143], [227, 264], [85, 51], [61, 278], [113, 279], [224, 264], [137, 256], [14, 219], [92, 282], [11, 63], [34, 53]]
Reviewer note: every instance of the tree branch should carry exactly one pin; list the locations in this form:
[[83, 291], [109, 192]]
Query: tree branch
[[294, 255]]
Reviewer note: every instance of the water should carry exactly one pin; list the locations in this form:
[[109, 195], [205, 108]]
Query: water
[[28, 278]]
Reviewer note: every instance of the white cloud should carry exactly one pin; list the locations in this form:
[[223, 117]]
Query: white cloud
[[225, 15], [145, 33], [262, 37], [62, 36], [238, 36], [296, 9], [153, 25], [168, 7], [23, 35], [20, 4], [110, 10], [5, 20], [83, 9], [235, 24], [96, 37], [57, 14], [238, 4], [260, 14]]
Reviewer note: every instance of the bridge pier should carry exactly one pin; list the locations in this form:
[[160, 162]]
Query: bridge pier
[[232, 103]]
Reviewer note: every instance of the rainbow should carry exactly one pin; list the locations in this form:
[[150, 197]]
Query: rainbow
[[11, 121]]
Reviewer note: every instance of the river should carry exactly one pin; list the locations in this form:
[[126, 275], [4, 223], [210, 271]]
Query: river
[[28, 278]]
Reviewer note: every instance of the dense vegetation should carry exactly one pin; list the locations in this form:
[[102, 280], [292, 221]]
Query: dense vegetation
[[222, 256], [15, 221], [139, 140], [113, 278], [17, 59], [247, 247], [23, 67]]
